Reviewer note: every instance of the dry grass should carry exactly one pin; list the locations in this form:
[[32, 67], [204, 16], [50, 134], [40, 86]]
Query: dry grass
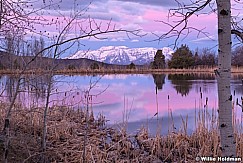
[[67, 133], [234, 70]]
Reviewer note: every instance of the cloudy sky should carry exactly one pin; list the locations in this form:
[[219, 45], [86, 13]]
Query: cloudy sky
[[145, 15]]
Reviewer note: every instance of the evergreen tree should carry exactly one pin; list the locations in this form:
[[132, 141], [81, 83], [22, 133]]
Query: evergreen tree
[[131, 66], [159, 60], [197, 59], [182, 58]]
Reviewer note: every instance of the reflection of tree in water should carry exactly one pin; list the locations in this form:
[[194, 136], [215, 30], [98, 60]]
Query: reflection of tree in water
[[11, 83], [37, 85], [181, 82], [237, 76], [159, 80], [197, 76], [32, 87], [237, 83], [237, 86]]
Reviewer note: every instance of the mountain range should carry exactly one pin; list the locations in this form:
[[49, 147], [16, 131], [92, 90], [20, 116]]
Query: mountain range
[[122, 55]]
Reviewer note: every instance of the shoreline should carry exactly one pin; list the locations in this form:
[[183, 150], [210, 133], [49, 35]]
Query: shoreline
[[234, 70]]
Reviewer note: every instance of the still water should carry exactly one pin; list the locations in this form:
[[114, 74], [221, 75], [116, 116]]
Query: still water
[[153, 101]]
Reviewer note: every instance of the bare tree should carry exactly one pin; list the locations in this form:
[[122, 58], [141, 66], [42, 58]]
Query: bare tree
[[226, 27], [237, 56], [20, 15], [228, 143]]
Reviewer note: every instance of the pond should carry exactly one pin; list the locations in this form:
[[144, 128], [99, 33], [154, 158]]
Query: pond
[[161, 102]]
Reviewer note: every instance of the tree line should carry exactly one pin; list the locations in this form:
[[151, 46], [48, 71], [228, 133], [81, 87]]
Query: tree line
[[183, 57]]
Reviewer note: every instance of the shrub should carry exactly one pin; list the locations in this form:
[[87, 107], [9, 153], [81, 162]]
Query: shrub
[[71, 67], [131, 66], [16, 64], [1, 66], [94, 66]]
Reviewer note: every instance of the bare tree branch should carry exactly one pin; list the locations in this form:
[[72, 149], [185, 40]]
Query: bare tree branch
[[237, 33], [183, 13]]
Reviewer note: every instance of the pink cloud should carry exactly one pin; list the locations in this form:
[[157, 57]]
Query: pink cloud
[[152, 18], [204, 21], [198, 22]]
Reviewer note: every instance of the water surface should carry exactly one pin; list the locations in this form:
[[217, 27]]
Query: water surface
[[153, 101]]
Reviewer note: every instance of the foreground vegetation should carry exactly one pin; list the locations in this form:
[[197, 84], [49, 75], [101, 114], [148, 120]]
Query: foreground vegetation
[[75, 135]]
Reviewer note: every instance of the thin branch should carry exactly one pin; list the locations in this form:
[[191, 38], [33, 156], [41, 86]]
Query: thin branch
[[184, 13], [237, 33]]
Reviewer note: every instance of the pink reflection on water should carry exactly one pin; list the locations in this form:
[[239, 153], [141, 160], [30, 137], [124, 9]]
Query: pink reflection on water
[[142, 103], [133, 98]]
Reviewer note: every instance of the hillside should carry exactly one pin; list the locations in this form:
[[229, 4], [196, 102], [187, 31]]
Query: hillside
[[8, 61]]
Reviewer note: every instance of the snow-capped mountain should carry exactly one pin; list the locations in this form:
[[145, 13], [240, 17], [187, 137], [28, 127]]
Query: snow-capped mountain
[[122, 55]]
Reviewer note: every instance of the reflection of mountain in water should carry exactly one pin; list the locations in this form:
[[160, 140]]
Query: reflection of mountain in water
[[159, 80]]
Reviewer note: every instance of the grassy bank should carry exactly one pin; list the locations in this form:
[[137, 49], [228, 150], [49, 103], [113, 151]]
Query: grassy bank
[[234, 70], [72, 136]]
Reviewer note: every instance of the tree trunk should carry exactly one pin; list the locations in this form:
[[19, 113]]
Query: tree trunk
[[223, 75]]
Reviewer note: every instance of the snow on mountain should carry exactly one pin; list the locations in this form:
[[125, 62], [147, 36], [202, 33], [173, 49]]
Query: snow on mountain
[[122, 54]]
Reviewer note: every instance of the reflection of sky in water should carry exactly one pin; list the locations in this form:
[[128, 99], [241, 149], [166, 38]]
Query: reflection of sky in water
[[137, 95]]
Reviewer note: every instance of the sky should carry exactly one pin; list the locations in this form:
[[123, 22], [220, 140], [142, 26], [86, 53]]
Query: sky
[[145, 15]]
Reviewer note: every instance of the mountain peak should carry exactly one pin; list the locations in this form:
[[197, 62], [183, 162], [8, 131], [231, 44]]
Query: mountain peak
[[106, 48], [122, 55]]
